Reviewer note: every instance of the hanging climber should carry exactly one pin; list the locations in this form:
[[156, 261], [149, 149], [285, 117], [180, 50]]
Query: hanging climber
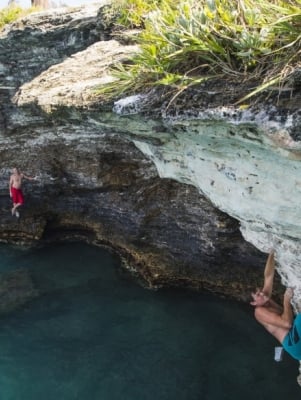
[[15, 190], [278, 320]]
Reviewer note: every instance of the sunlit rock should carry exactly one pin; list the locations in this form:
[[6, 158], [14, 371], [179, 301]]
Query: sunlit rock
[[190, 196]]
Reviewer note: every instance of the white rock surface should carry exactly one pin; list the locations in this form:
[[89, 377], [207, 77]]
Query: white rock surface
[[248, 171]]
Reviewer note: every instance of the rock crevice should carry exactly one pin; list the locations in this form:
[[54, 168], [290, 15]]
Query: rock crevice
[[192, 197]]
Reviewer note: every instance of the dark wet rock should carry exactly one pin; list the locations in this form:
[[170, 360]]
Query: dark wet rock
[[96, 180]]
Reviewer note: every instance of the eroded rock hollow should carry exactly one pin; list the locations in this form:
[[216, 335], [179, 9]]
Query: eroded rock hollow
[[192, 199]]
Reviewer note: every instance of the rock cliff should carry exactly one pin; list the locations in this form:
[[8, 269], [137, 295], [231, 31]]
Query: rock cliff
[[190, 197]]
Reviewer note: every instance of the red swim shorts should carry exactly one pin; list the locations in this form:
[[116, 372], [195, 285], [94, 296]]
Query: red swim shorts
[[17, 196]]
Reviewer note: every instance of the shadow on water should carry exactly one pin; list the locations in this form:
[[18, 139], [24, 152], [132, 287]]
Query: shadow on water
[[95, 334]]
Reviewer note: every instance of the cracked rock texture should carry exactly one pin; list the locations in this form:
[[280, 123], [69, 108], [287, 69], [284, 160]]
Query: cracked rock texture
[[191, 197]]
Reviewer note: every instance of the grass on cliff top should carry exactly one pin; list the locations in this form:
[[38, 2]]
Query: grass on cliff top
[[187, 42], [12, 13]]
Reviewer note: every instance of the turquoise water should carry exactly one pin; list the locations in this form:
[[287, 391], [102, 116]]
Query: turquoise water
[[94, 334]]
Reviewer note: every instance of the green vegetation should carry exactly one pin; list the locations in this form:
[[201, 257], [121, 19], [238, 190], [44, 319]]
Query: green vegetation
[[186, 42], [12, 13]]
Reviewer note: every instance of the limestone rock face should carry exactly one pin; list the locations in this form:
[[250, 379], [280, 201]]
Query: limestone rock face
[[191, 199], [244, 171]]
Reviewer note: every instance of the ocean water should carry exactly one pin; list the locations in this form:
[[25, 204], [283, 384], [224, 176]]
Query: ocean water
[[95, 334]]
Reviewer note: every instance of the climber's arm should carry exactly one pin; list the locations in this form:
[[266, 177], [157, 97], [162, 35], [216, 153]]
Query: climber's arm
[[269, 273], [288, 315]]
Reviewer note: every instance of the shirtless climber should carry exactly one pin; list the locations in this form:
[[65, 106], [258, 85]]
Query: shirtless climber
[[15, 190], [278, 320]]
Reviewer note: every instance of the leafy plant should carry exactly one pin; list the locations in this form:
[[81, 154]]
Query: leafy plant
[[186, 42], [131, 13], [12, 13]]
